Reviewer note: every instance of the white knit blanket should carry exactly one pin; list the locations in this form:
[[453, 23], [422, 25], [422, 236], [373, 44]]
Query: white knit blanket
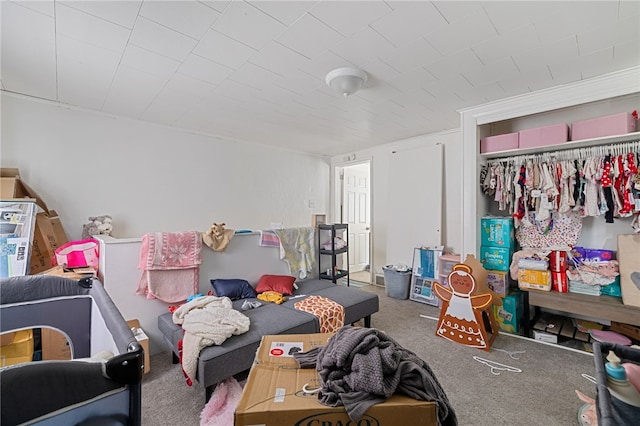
[[206, 321]]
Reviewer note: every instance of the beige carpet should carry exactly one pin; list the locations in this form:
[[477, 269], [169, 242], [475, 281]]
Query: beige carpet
[[531, 383]]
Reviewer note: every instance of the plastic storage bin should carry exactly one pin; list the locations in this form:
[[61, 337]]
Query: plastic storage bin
[[396, 282]]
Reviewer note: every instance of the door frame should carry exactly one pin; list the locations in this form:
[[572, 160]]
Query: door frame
[[337, 186]]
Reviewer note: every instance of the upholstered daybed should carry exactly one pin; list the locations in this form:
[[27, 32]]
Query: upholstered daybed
[[236, 354], [101, 385]]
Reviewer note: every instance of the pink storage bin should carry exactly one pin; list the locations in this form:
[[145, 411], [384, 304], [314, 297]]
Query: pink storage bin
[[610, 125], [544, 136], [499, 143]]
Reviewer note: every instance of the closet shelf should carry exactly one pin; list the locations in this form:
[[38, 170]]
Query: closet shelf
[[627, 137]]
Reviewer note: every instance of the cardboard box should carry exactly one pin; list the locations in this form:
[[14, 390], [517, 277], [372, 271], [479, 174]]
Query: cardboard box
[[11, 186], [545, 337], [48, 236], [17, 347], [49, 233], [537, 280], [495, 258], [609, 125], [54, 345], [17, 219], [629, 265], [278, 350], [543, 136], [273, 396], [499, 282], [497, 232], [499, 143], [509, 315], [74, 274], [628, 330], [143, 339]]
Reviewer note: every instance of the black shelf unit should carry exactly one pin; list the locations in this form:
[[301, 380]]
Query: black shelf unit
[[336, 273]]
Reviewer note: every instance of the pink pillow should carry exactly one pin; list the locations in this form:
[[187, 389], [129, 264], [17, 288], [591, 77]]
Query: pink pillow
[[281, 283]]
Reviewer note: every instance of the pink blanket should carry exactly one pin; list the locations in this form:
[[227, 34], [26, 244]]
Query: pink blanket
[[170, 250], [170, 265]]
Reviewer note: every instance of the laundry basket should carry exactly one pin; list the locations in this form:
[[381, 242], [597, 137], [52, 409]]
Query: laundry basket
[[397, 282], [610, 410]]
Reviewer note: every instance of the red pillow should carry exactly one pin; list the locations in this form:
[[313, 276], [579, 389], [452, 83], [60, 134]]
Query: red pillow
[[281, 283]]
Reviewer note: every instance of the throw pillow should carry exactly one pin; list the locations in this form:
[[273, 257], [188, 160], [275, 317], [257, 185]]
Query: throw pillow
[[233, 288], [281, 283]]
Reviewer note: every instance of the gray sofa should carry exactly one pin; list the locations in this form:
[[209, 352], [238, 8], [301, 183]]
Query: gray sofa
[[236, 354]]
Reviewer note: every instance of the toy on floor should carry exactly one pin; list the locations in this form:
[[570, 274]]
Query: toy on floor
[[461, 316], [587, 413]]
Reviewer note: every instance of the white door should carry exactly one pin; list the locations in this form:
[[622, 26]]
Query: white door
[[356, 213]]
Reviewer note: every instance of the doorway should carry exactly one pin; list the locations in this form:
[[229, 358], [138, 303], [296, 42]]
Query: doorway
[[355, 210]]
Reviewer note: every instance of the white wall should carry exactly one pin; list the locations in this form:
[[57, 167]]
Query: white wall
[[452, 188], [151, 178]]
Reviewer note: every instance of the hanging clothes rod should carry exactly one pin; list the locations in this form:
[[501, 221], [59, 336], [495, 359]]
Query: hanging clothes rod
[[574, 153]]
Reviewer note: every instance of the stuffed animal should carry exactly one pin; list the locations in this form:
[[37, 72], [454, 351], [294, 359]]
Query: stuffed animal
[[587, 413], [217, 238], [98, 225]]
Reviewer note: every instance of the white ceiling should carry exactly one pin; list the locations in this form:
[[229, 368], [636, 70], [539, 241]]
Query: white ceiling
[[254, 70]]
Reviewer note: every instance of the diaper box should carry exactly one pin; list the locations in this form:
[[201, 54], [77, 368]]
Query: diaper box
[[499, 282], [610, 125], [579, 254], [497, 232], [499, 143], [495, 258], [509, 315], [532, 279], [543, 136]]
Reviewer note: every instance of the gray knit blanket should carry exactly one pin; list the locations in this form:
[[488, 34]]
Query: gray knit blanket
[[360, 367]]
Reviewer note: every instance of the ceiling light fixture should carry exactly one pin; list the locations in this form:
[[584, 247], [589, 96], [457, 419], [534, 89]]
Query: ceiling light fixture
[[346, 80]]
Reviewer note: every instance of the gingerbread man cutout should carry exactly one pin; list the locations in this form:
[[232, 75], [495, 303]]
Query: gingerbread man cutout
[[461, 314]]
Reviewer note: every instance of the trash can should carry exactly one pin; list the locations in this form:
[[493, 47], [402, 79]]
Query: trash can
[[397, 282]]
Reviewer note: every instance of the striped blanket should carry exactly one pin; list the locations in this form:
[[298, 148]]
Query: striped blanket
[[268, 238]]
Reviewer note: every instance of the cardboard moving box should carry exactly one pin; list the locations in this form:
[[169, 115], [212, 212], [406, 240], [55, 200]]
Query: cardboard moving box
[[629, 264], [143, 339], [17, 219], [54, 345], [49, 233], [273, 394], [17, 347]]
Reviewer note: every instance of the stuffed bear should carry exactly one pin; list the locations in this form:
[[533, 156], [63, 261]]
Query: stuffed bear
[[98, 225], [217, 238]]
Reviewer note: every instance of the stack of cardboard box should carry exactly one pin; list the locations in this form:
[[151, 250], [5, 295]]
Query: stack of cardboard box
[[498, 245], [17, 219], [48, 234]]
